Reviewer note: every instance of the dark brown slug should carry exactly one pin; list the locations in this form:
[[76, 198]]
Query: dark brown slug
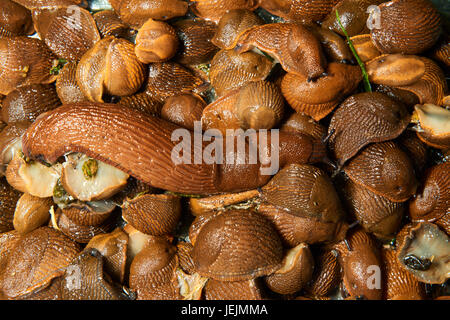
[[294, 230], [8, 199], [113, 247], [183, 109], [141, 146], [375, 213], [327, 274], [362, 119]]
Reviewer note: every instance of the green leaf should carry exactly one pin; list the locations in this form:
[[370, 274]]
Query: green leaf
[[58, 65]]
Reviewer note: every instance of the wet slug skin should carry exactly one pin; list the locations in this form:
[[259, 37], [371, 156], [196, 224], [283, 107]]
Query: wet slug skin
[[142, 145]]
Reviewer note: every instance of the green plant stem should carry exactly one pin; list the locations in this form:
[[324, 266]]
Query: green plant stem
[[366, 81]]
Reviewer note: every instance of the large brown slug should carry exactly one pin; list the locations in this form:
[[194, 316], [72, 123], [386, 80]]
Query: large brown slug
[[141, 146]]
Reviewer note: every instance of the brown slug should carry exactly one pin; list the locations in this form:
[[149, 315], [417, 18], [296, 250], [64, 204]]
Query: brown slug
[[85, 279], [214, 9], [156, 41], [67, 37], [166, 79], [153, 272], [288, 43], [110, 67], [109, 24], [306, 11], [375, 213], [362, 119], [31, 213], [15, 20], [294, 229], [111, 137], [254, 105], [384, 169], [230, 70], [66, 84], [153, 214], [353, 15], [432, 201], [35, 259], [399, 283], [183, 109], [296, 272], [327, 274], [88, 213], [28, 102], [361, 264], [195, 41], [137, 12], [237, 245], [334, 46], [76, 232], [318, 98], [306, 191], [302, 123], [232, 24], [24, 61], [406, 26]]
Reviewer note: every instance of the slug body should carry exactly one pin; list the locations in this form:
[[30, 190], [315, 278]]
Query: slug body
[[142, 145]]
